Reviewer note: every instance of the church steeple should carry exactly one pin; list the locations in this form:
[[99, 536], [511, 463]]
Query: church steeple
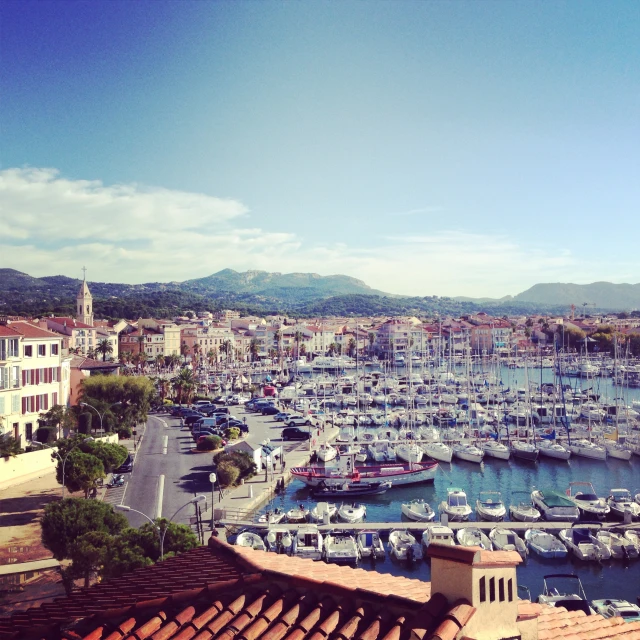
[[84, 302]]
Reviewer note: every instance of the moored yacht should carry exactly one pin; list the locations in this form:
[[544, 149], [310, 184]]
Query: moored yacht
[[490, 506], [341, 547], [552, 449], [438, 534], [473, 537], [554, 505], [524, 510], [403, 546], [508, 540], [418, 510], [468, 452], [455, 506], [370, 545], [620, 501], [438, 451], [524, 451], [587, 449], [307, 542], [583, 495], [494, 449]]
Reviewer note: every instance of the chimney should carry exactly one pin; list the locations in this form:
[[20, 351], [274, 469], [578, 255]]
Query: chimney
[[487, 581]]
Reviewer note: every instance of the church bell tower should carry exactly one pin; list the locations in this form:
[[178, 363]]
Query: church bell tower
[[84, 302]]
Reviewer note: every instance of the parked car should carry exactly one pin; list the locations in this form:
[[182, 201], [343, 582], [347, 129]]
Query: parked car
[[196, 435], [117, 480], [282, 416], [298, 421], [294, 433], [270, 410], [126, 466], [193, 418]]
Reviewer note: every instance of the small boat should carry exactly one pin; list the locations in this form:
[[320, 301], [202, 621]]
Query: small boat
[[272, 517], [409, 452], [508, 540], [617, 609], [581, 542], [252, 540], [418, 510], [494, 449], [489, 506], [403, 546], [524, 510], [560, 594], [438, 451], [318, 512], [524, 451], [620, 501], [340, 547], [544, 544], [554, 505], [551, 449], [587, 449], [326, 453], [352, 489], [620, 547], [297, 515], [633, 536], [468, 452], [278, 539], [455, 506], [583, 495], [473, 537], [307, 542], [352, 513], [439, 534], [370, 545]]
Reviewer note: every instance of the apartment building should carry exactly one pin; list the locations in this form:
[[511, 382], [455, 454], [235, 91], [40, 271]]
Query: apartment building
[[10, 379]]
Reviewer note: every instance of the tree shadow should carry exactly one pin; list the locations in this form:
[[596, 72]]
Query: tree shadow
[[22, 504]]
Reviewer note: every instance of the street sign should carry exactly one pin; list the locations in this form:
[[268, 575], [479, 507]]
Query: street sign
[[212, 478]]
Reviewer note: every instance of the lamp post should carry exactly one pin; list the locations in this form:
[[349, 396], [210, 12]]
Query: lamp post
[[64, 460], [161, 532], [100, 415], [212, 479]]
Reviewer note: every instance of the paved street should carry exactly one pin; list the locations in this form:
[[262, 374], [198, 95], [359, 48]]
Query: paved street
[[167, 471]]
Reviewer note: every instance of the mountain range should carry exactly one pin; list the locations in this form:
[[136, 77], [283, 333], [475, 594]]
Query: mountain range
[[293, 293]]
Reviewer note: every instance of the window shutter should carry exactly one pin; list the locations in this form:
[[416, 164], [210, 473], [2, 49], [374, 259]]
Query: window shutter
[[46, 402], [37, 403], [24, 378], [59, 374], [24, 406]]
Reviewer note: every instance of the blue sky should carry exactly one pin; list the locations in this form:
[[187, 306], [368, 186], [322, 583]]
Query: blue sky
[[447, 148]]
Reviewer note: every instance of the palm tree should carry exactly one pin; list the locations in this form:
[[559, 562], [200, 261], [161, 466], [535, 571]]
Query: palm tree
[[372, 339], [159, 361], [253, 349], [303, 350], [91, 353], [297, 336], [141, 341], [196, 352], [104, 347], [352, 346], [163, 385], [226, 348], [332, 348], [277, 336], [184, 350], [185, 385], [125, 357]]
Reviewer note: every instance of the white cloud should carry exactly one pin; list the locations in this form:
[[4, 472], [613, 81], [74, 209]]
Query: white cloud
[[131, 233]]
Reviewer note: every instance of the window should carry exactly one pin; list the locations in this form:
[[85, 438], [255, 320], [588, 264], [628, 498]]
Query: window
[[492, 589], [28, 351], [28, 430], [42, 350], [2, 405], [54, 398], [28, 404], [15, 377], [510, 590], [501, 590], [42, 402], [54, 349], [15, 403], [4, 377], [483, 590]]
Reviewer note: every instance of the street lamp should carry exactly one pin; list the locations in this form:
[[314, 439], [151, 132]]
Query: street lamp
[[161, 532], [212, 479], [64, 460], [100, 415]]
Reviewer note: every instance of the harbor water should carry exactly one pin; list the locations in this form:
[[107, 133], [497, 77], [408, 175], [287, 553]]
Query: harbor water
[[611, 579]]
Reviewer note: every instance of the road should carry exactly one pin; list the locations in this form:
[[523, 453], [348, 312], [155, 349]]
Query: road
[[167, 473]]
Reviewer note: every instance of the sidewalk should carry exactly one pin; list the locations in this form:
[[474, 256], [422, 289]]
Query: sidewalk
[[257, 491]]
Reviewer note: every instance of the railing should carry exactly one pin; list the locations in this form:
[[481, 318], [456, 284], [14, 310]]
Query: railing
[[234, 514]]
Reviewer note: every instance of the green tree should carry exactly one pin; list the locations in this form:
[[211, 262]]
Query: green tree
[[184, 385], [104, 348], [121, 556], [88, 553], [253, 349], [110, 454], [82, 472], [66, 520], [210, 443], [352, 346], [372, 339], [9, 446], [227, 473], [177, 538]]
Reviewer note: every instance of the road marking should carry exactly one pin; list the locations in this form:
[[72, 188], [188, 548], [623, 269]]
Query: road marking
[[165, 444], [160, 496]]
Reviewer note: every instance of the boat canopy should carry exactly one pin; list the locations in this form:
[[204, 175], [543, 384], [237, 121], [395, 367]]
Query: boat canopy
[[553, 498]]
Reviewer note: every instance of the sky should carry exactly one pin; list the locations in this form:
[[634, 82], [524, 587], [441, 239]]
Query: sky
[[427, 148]]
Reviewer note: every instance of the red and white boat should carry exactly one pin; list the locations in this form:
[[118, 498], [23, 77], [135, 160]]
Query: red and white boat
[[346, 470]]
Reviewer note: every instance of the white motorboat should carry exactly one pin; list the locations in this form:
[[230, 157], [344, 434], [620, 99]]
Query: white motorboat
[[473, 537], [439, 534], [524, 510], [307, 542], [490, 506], [583, 495], [418, 510], [326, 453], [468, 452], [340, 547], [620, 547], [494, 449], [581, 542], [409, 452], [278, 539], [317, 514], [620, 501], [351, 513], [587, 449], [370, 545], [560, 594], [552, 449], [251, 540], [622, 609], [554, 505], [272, 517], [633, 536], [403, 546], [508, 540], [544, 544], [455, 506], [438, 451], [297, 515]]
